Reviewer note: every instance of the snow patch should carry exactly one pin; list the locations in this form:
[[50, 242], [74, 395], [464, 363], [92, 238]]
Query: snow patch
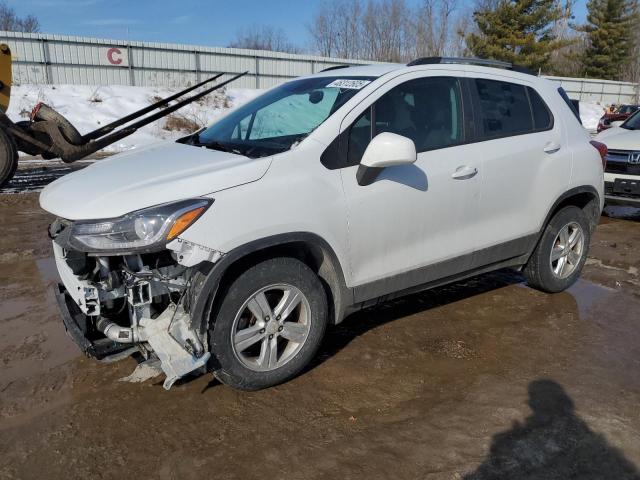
[[91, 107]]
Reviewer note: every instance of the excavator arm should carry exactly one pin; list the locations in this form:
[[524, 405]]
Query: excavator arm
[[49, 134]]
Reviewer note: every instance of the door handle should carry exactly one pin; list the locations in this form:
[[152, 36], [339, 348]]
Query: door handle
[[464, 173], [551, 147]]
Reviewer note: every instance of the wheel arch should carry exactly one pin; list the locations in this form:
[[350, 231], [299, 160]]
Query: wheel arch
[[585, 197], [211, 280]]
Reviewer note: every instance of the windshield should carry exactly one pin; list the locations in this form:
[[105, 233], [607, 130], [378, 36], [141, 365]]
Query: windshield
[[626, 109], [633, 122], [273, 122]]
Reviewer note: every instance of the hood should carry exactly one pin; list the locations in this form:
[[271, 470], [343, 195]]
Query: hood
[[161, 173], [612, 117], [617, 138]]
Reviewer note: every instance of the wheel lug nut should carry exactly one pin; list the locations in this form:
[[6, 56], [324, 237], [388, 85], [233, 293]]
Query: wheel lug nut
[[278, 317], [262, 331], [266, 319], [270, 337], [280, 329]]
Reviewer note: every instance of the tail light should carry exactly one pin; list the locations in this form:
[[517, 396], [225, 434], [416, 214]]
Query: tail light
[[602, 150]]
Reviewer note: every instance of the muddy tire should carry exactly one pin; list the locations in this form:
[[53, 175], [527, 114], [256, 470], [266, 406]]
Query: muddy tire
[[269, 324], [558, 259], [69, 132], [8, 158]]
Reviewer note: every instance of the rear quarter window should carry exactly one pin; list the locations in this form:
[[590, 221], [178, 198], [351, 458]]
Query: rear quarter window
[[509, 109]]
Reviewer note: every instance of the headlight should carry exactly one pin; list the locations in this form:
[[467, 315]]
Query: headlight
[[144, 230]]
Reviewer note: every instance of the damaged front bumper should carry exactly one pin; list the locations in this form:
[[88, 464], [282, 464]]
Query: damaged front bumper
[[113, 307]]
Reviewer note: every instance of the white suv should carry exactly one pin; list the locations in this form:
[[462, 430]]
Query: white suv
[[234, 248]]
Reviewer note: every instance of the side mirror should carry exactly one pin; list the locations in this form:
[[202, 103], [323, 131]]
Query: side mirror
[[385, 150]]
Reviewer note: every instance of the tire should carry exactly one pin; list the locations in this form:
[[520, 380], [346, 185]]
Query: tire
[[553, 274], [8, 158], [69, 132], [247, 366]]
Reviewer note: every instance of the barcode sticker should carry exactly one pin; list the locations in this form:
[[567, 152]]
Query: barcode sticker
[[349, 84]]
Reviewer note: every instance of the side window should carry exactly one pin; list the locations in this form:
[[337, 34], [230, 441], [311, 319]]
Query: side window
[[426, 110], [359, 138], [504, 109], [542, 119]]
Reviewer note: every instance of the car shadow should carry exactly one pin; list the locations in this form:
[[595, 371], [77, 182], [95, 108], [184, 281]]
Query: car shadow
[[358, 323], [552, 443]]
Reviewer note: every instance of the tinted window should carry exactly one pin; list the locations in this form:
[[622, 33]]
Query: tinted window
[[359, 138], [504, 109], [542, 118], [426, 110]]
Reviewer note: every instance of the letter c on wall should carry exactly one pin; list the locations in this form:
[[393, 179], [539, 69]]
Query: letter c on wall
[[114, 55]]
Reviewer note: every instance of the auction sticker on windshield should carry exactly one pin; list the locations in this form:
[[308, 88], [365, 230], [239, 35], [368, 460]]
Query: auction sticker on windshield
[[349, 84]]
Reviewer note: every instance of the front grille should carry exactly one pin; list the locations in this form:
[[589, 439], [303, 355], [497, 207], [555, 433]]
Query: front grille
[[618, 162]]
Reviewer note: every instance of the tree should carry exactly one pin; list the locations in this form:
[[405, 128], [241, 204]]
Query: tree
[[517, 31], [264, 37], [10, 22], [611, 37]]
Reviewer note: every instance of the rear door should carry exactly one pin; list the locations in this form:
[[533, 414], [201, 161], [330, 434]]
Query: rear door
[[526, 164]]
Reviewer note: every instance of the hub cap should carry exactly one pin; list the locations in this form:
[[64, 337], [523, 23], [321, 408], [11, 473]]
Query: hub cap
[[271, 327], [567, 250]]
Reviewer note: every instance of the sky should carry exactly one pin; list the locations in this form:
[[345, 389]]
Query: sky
[[196, 22]]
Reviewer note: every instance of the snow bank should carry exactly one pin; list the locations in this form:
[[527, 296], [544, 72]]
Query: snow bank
[[590, 113], [90, 107]]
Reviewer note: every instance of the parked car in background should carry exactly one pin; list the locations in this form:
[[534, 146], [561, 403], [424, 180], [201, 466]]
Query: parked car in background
[[622, 171], [620, 114]]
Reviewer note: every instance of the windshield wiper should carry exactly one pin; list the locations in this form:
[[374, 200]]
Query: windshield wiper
[[214, 145]]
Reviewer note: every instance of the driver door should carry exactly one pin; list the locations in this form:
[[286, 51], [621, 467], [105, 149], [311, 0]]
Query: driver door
[[414, 223]]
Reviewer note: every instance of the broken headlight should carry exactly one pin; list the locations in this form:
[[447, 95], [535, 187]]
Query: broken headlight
[[144, 230]]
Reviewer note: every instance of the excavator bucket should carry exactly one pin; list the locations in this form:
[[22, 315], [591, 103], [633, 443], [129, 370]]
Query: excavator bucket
[[5, 76]]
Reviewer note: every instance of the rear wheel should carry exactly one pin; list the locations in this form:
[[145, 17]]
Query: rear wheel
[[8, 158], [269, 324], [558, 259]]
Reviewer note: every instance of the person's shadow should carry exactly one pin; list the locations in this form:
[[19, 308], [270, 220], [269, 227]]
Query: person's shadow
[[553, 443]]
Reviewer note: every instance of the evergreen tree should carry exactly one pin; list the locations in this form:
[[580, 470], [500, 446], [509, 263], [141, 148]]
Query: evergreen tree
[[517, 31], [610, 35]]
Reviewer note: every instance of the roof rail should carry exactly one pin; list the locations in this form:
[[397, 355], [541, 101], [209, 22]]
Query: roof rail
[[470, 61], [335, 67]]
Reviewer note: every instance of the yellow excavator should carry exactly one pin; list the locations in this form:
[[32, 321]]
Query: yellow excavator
[[49, 134]]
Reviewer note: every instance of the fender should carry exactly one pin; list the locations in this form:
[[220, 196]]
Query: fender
[[206, 283], [588, 189]]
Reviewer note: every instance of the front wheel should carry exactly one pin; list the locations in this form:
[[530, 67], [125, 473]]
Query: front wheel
[[558, 259], [269, 324]]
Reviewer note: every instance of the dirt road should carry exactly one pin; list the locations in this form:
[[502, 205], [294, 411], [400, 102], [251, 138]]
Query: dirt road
[[482, 379]]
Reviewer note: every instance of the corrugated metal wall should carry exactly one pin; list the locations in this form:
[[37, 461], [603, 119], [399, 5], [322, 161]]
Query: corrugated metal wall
[[60, 59]]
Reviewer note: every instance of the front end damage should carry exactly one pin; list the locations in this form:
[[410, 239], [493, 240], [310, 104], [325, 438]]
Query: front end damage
[[114, 306]]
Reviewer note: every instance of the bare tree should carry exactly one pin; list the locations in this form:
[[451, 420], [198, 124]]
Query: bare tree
[[433, 28], [385, 30], [264, 37], [10, 22]]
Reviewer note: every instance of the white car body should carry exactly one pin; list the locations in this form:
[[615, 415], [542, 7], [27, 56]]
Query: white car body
[[444, 214]]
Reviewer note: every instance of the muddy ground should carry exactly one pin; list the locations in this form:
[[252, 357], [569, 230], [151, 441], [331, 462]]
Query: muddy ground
[[482, 379]]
